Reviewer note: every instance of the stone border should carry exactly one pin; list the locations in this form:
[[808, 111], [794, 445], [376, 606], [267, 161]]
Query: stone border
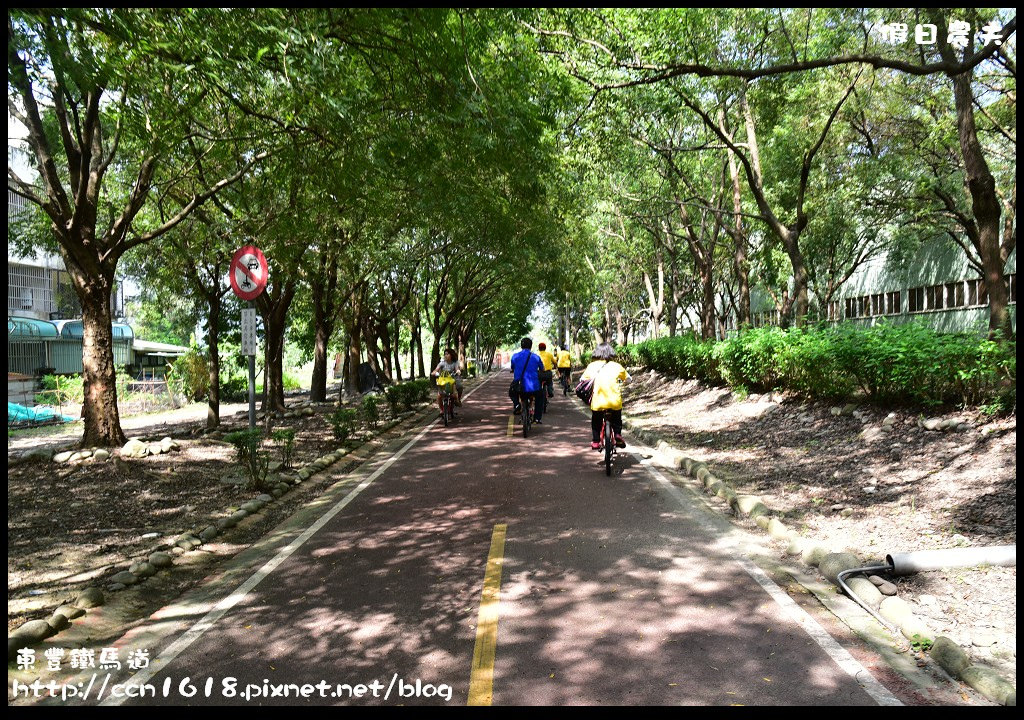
[[873, 591], [161, 556]]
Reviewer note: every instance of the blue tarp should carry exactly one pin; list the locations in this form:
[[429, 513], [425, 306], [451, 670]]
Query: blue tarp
[[19, 413]]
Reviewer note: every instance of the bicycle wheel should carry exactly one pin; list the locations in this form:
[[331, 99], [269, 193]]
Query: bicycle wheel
[[446, 414], [609, 446], [527, 416]]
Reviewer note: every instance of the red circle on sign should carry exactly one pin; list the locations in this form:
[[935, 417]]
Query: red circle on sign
[[248, 272]]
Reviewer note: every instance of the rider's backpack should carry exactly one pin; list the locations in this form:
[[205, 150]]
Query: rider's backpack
[[585, 390]]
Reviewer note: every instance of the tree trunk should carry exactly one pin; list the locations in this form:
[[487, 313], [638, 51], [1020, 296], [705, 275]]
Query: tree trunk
[[740, 263], [322, 287], [398, 356], [213, 411], [707, 305], [99, 411]]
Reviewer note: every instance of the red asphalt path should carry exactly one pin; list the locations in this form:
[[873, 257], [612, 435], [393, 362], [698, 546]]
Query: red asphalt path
[[610, 593]]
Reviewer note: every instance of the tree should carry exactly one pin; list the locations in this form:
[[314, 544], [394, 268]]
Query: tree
[[98, 102]]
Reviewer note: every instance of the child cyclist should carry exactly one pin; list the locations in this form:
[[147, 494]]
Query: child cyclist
[[450, 365], [606, 375]]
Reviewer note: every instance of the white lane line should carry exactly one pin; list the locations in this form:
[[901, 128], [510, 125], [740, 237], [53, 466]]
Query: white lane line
[[242, 591], [840, 656]]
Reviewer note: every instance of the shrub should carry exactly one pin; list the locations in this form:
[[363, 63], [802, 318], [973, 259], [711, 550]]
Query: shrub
[[248, 444], [286, 437], [370, 410], [343, 423]]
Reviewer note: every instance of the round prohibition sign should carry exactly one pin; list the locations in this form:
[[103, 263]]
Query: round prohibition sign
[[248, 272]]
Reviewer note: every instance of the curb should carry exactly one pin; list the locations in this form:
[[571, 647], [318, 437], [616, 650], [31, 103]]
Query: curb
[[944, 651]]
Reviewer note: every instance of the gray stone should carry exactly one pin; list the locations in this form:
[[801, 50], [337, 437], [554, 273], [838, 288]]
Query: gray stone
[[81, 455], [274, 465], [208, 533], [304, 474], [846, 512], [40, 453], [762, 521], [813, 554], [265, 498], [949, 656], [866, 591], [238, 516], [177, 550], [895, 610], [747, 503], [795, 547], [887, 588], [283, 487], [889, 421], [836, 411], [777, 529], [124, 577], [63, 457], [142, 569], [101, 454], [58, 622], [871, 434], [252, 506], [34, 631], [277, 492], [876, 581], [70, 611], [161, 560], [848, 409], [989, 684], [234, 479], [932, 424], [187, 541], [156, 449], [224, 523], [135, 448], [834, 563], [963, 427], [89, 598], [116, 587]]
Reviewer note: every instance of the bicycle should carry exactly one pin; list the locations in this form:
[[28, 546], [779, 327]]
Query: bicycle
[[446, 389], [563, 377], [526, 400], [608, 442]]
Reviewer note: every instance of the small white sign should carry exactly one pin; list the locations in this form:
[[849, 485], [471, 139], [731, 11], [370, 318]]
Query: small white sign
[[248, 331]]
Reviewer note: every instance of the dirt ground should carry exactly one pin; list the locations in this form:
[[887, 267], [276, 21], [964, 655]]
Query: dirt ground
[[843, 481]]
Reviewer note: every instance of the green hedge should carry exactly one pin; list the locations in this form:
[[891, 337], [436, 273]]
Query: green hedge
[[905, 364]]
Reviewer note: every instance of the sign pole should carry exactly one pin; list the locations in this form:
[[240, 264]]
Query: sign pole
[[252, 387], [248, 275]]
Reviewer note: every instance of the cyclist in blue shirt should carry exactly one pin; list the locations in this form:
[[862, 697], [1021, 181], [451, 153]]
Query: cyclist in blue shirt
[[525, 365]]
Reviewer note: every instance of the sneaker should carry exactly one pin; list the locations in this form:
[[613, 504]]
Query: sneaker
[[619, 442], [595, 446], [517, 410], [536, 421]]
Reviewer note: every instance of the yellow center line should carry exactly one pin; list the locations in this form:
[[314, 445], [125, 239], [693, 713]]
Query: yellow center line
[[481, 679], [511, 426]]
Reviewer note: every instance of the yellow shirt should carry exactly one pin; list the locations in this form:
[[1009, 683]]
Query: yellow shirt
[[606, 377], [564, 359], [547, 358]]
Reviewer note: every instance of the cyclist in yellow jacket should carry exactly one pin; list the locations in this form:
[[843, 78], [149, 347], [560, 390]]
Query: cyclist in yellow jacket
[[564, 362], [606, 375], [546, 374]]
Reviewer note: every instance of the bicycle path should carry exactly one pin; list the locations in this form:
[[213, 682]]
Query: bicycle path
[[603, 591]]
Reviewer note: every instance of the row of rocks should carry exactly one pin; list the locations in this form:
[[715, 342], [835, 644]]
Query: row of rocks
[[35, 631], [162, 556], [135, 447], [873, 591]]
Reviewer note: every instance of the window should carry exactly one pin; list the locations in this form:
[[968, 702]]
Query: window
[[892, 303], [955, 294], [878, 304], [1011, 286], [915, 299], [933, 297]]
